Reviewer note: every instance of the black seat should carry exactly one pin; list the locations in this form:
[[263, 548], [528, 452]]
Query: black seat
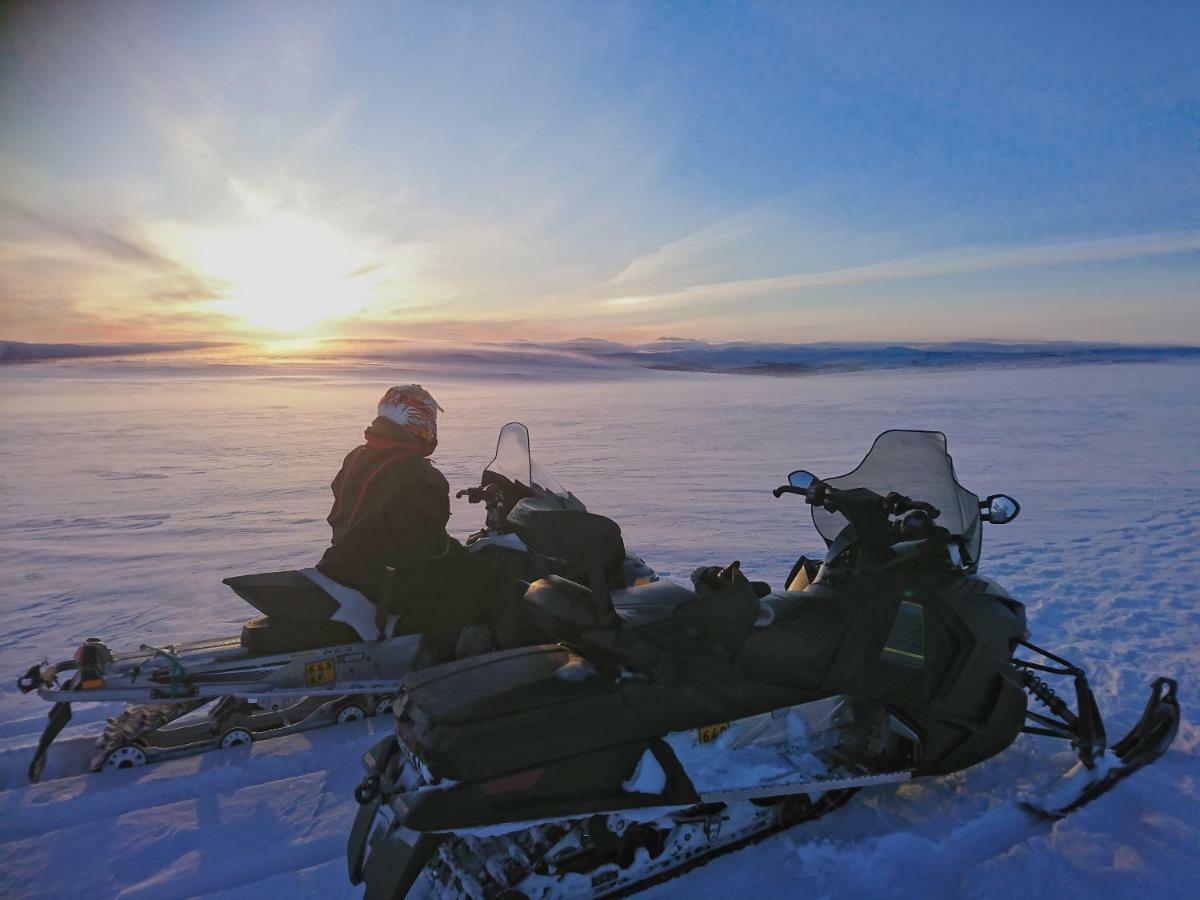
[[298, 613]]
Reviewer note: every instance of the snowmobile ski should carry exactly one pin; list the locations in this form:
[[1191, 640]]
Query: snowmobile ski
[[1145, 742]]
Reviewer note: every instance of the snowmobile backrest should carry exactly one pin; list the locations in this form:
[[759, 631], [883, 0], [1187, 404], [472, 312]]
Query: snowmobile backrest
[[285, 595], [651, 602], [562, 608], [726, 606]]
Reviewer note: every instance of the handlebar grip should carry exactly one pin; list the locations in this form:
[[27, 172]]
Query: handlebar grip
[[788, 489]]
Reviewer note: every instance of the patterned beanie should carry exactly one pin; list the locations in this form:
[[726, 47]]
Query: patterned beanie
[[414, 410]]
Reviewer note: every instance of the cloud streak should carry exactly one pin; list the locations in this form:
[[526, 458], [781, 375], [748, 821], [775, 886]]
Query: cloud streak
[[95, 240], [966, 260]]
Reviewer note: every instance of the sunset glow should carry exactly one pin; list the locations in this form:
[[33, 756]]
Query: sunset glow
[[283, 274]]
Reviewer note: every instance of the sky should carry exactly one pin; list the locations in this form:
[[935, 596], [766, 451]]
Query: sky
[[496, 171]]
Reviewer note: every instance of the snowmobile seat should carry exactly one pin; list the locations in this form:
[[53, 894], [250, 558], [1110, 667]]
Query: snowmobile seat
[[563, 609], [298, 613], [269, 635], [486, 716]]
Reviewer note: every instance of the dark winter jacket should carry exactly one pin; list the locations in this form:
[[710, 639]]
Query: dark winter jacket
[[390, 508]]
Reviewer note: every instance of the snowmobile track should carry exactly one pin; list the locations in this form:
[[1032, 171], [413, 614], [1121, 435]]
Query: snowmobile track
[[835, 803]]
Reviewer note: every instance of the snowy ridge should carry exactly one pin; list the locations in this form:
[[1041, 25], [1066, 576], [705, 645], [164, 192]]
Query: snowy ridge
[[601, 358]]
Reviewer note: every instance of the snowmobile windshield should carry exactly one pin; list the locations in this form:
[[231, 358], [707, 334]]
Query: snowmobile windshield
[[516, 464], [915, 464]]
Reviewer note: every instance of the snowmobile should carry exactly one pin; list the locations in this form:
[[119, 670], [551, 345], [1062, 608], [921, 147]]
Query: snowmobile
[[641, 745], [322, 652]]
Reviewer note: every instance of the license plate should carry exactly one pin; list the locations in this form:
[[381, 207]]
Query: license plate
[[709, 733], [323, 671]]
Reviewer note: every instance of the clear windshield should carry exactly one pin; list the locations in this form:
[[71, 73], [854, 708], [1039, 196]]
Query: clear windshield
[[515, 462], [915, 464]]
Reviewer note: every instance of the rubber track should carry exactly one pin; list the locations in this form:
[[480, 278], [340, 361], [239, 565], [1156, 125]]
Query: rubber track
[[834, 803], [136, 721], [828, 803]]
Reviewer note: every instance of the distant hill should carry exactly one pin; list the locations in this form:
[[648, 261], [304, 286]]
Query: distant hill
[[746, 357], [16, 351], [585, 357]]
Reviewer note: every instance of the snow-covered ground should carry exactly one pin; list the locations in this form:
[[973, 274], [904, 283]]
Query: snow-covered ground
[[131, 489]]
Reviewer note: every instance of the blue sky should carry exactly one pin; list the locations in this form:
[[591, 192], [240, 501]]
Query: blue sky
[[548, 170]]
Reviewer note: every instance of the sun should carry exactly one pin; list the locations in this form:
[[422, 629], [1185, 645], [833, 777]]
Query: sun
[[283, 273]]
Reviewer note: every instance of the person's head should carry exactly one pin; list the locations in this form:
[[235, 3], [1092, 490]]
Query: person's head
[[410, 412]]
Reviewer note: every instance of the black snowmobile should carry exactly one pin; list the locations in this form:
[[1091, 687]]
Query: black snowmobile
[[645, 743], [323, 652]]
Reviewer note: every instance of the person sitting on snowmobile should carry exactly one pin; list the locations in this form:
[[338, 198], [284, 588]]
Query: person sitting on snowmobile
[[389, 515]]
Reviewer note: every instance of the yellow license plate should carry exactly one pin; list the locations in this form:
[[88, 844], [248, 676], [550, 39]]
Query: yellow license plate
[[320, 672], [709, 733]]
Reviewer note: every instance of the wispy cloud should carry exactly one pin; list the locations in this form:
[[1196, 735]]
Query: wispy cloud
[[957, 261], [96, 240], [694, 253]]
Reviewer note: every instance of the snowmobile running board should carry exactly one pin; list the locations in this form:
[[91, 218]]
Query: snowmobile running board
[[242, 691], [810, 786]]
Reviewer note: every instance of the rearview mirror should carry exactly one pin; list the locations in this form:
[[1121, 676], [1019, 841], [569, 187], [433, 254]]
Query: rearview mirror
[[801, 479], [1000, 509]]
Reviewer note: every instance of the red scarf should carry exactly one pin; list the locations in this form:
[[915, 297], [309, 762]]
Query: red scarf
[[377, 442]]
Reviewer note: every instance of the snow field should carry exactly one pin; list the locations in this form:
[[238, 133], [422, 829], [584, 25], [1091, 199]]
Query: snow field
[[130, 491]]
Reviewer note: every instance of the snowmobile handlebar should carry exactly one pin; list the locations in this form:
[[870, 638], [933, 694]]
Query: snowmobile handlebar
[[870, 514], [478, 494], [832, 499]]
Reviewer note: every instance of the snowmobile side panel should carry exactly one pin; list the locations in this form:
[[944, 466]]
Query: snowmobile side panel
[[267, 634], [585, 784], [939, 654], [799, 648]]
